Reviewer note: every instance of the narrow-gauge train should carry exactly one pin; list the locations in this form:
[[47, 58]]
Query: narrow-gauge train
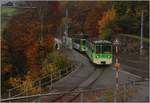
[[98, 51], [79, 42]]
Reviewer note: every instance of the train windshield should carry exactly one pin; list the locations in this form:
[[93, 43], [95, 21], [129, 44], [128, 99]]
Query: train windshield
[[106, 48], [98, 48]]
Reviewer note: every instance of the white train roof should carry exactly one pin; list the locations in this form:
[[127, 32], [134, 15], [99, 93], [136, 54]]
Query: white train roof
[[99, 41]]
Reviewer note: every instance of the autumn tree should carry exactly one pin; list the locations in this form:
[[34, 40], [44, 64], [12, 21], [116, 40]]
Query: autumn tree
[[48, 43], [105, 24], [32, 55], [95, 13], [27, 31], [6, 66], [129, 16], [5, 57]]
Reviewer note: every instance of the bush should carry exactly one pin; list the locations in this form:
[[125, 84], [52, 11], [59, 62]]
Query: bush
[[54, 61]]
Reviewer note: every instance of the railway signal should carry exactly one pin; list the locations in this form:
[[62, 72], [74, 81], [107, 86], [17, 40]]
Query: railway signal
[[117, 66]]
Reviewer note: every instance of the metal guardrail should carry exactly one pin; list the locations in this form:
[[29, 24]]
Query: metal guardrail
[[84, 95], [39, 82]]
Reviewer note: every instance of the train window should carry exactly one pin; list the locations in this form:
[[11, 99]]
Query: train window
[[98, 48], [77, 41], [106, 48], [84, 42]]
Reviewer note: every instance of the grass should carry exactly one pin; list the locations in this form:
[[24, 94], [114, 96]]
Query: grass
[[6, 13]]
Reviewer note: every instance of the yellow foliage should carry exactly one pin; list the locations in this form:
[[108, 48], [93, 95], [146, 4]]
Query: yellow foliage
[[50, 68], [15, 82], [26, 85]]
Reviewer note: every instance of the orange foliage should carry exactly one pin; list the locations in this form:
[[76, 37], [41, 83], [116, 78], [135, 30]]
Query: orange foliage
[[48, 43], [90, 25], [32, 54], [108, 17]]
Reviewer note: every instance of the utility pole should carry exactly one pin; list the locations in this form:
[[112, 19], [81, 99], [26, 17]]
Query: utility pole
[[117, 68], [41, 19], [66, 26], [141, 43], [66, 23]]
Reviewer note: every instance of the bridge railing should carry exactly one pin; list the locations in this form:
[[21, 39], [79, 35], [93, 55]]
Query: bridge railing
[[44, 81]]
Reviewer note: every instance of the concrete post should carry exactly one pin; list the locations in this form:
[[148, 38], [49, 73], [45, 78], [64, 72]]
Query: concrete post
[[59, 74], [66, 70], [9, 93], [51, 81]]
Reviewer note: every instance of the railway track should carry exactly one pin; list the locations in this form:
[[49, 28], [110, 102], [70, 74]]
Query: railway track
[[70, 96]]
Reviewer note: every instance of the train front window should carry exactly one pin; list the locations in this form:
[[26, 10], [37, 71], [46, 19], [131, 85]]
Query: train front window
[[98, 48], [106, 48], [84, 42]]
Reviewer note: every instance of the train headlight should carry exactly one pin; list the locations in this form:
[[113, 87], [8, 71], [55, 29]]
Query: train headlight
[[97, 56], [108, 56]]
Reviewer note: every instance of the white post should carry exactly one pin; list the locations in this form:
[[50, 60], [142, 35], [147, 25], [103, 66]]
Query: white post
[[40, 85], [26, 93], [81, 96], [141, 43], [9, 94]]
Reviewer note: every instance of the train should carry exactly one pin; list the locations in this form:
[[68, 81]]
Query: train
[[79, 42], [98, 51]]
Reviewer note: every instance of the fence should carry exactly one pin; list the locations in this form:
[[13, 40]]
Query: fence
[[126, 91], [43, 82]]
